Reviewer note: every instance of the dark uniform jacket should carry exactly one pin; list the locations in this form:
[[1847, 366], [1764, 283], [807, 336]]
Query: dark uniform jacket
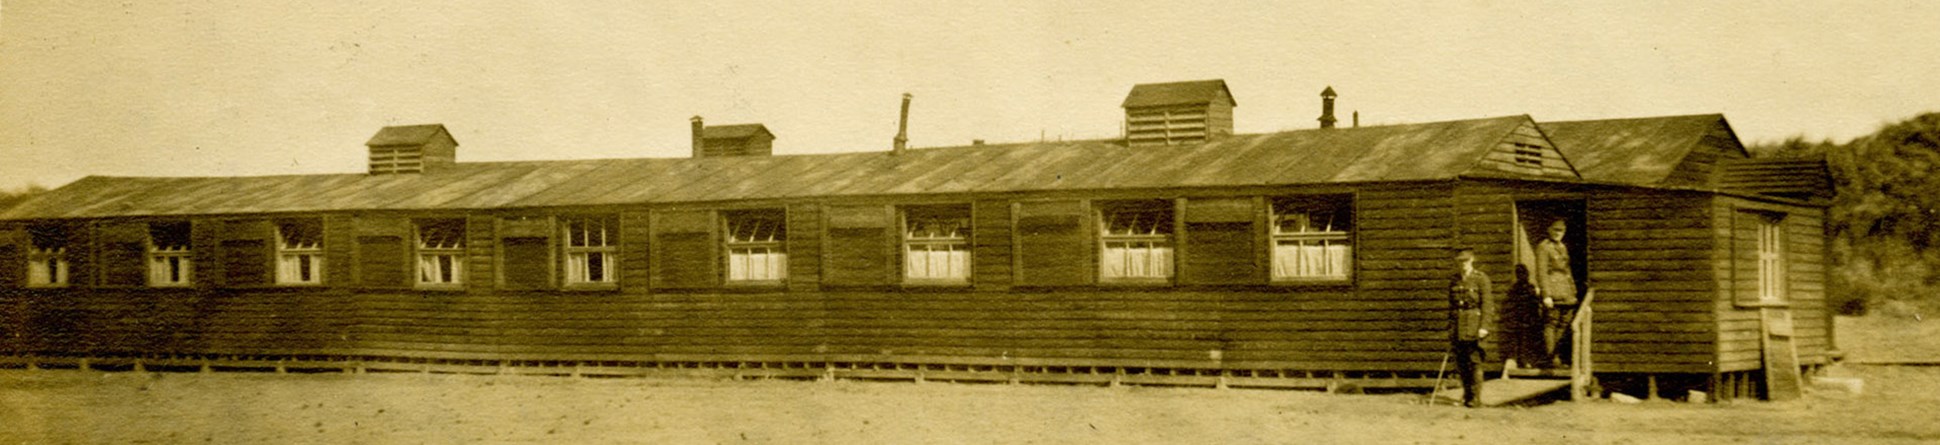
[[1467, 294]]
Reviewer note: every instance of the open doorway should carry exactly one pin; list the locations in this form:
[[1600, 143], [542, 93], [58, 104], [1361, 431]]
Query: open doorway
[[1536, 333]]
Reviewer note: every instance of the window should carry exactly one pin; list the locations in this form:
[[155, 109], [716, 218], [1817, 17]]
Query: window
[[754, 246], [1771, 260], [1312, 239], [936, 244], [169, 260], [441, 252], [47, 259], [590, 250], [1136, 241], [299, 252]]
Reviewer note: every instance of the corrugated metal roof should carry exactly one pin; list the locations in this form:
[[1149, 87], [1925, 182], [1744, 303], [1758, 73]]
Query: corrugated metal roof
[[405, 135], [1377, 153], [1630, 151], [736, 131], [1177, 93]]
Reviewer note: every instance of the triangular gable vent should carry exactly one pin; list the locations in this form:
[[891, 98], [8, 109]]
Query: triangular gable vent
[[1525, 152]]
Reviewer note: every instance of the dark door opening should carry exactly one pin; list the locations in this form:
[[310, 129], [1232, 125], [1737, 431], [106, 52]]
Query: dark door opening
[[1536, 334]]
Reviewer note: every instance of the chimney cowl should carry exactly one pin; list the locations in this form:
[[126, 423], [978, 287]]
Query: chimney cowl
[[1327, 107]]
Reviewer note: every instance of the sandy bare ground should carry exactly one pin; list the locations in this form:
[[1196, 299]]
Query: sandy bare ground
[[68, 406]]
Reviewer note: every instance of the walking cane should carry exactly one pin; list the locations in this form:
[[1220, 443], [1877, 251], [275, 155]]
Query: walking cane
[[1438, 377]]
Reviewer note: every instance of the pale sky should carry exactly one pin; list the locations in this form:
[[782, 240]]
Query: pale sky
[[197, 88]]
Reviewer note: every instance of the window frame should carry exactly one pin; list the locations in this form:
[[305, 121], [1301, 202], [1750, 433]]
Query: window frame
[[776, 243], [58, 269], [965, 232], [282, 250], [176, 261], [455, 250], [1344, 213], [1168, 223], [608, 250], [1773, 286]]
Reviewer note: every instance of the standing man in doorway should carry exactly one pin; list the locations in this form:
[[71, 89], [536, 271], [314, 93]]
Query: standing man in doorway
[[1556, 283], [1468, 293]]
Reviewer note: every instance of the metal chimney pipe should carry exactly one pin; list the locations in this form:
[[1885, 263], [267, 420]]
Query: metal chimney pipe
[[902, 128], [698, 139]]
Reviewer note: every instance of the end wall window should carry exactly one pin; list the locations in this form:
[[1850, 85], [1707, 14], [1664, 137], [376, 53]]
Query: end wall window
[[590, 251], [1135, 240], [936, 244], [1312, 239], [168, 254], [47, 260], [441, 252], [754, 246], [299, 252]]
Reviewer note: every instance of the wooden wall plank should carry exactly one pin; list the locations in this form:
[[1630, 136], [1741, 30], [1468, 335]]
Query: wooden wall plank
[[636, 239], [1053, 243], [805, 246], [860, 251], [686, 249], [991, 248]]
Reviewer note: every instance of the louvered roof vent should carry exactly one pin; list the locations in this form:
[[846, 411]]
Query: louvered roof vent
[[732, 140], [1178, 113], [411, 149]]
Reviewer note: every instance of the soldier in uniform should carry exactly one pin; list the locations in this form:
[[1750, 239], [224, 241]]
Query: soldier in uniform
[[1468, 293], [1556, 283]]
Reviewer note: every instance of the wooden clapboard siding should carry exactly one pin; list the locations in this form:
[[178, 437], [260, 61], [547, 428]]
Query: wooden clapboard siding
[[636, 239], [339, 250], [1808, 268], [14, 247], [1220, 236], [1485, 221], [1093, 325], [83, 254], [123, 252], [1649, 255], [991, 248], [1053, 240], [181, 321], [860, 250], [1740, 332], [382, 253], [481, 245], [1803, 244], [206, 241], [246, 252], [525, 255], [1392, 316], [1653, 255], [805, 246], [686, 249]]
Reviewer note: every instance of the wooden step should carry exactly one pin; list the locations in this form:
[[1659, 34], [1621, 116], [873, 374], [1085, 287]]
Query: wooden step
[[1539, 373]]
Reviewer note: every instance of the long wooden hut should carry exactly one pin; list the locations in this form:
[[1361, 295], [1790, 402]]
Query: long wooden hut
[[1181, 254]]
